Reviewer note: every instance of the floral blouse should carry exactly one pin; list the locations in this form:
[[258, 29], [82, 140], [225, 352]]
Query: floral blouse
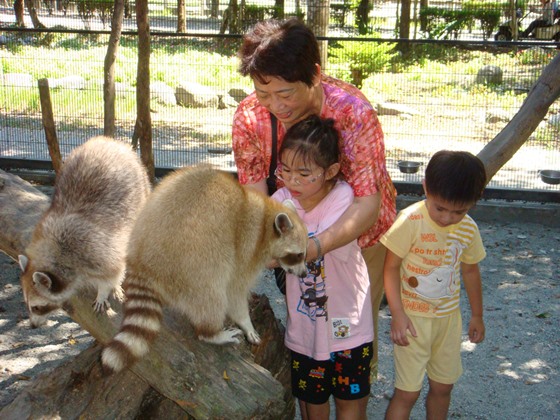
[[361, 145]]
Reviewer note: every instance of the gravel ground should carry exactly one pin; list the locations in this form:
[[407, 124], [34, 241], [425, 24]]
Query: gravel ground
[[514, 374]]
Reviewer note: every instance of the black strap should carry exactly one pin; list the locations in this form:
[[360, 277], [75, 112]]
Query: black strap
[[271, 180]]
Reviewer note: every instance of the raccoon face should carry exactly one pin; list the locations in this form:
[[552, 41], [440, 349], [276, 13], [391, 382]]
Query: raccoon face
[[37, 289], [290, 248]]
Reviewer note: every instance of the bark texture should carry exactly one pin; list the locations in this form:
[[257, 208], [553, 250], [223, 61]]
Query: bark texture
[[180, 377]]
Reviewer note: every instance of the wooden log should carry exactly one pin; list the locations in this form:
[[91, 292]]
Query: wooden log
[[180, 372], [49, 125]]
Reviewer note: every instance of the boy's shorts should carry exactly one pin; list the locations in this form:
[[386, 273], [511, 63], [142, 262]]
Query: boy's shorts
[[436, 350], [345, 375]]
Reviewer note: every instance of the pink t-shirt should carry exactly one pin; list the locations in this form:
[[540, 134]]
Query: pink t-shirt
[[361, 145], [330, 310]]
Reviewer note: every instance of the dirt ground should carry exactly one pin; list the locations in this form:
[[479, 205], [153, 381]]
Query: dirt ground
[[513, 374]]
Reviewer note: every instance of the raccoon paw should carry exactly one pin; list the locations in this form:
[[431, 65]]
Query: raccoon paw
[[118, 294], [253, 337], [227, 336], [101, 306]]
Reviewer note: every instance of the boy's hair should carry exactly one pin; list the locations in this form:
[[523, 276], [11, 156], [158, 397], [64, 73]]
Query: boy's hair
[[286, 49], [457, 177], [313, 139]]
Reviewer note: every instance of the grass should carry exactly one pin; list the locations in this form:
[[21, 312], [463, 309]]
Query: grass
[[438, 77]]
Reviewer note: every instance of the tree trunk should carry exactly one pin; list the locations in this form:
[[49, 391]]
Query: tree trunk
[[404, 26], [423, 20], [33, 14], [279, 7], [543, 94], [19, 12], [109, 69], [362, 16], [180, 377], [143, 127], [318, 21], [181, 17]]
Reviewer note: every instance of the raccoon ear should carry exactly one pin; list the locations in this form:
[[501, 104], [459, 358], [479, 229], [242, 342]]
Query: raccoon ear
[[290, 204], [282, 223], [42, 280], [23, 261]]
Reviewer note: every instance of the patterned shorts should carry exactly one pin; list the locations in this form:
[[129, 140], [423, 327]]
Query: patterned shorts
[[346, 375]]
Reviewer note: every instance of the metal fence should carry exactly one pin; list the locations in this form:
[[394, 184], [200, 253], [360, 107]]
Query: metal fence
[[422, 107]]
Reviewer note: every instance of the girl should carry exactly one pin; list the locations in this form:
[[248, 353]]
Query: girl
[[330, 326]]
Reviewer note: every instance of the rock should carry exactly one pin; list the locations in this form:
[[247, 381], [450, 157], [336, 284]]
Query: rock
[[68, 82], [388, 108], [195, 95], [162, 93], [490, 75], [497, 115], [239, 93], [19, 80]]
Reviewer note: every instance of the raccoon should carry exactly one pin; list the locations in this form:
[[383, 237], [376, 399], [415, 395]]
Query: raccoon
[[198, 247], [81, 239]]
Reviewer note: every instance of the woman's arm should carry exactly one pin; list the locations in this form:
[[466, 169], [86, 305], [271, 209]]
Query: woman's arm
[[358, 218]]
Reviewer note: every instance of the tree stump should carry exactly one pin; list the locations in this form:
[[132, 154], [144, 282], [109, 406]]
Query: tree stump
[[180, 377]]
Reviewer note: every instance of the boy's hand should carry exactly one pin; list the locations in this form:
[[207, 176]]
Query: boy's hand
[[476, 330], [400, 324]]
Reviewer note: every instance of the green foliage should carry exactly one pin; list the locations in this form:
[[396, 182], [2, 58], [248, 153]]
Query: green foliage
[[354, 61], [538, 56], [443, 23]]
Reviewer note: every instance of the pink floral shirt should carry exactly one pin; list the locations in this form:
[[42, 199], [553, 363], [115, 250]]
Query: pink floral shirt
[[361, 144]]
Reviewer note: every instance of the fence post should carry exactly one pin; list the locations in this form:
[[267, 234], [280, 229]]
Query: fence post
[[48, 124]]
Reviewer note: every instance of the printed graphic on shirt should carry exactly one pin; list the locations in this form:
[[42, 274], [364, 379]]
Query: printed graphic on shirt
[[340, 328], [439, 282], [313, 299]]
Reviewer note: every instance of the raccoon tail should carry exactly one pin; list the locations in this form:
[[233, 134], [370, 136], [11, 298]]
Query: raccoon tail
[[142, 315]]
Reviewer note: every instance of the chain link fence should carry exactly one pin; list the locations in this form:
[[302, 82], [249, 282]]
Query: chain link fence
[[452, 94]]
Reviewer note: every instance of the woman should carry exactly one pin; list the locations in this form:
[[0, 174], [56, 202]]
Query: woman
[[282, 58]]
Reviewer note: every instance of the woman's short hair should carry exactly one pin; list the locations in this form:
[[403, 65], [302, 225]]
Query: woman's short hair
[[287, 49]]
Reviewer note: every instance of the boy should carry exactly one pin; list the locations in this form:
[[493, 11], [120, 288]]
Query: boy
[[430, 245]]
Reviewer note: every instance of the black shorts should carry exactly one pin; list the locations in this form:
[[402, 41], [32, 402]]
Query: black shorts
[[346, 375]]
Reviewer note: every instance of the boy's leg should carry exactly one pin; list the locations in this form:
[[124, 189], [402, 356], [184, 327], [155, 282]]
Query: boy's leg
[[445, 367], [410, 369], [374, 257], [401, 405], [437, 401]]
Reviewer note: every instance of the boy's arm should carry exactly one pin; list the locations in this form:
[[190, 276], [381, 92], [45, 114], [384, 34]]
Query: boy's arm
[[473, 287], [400, 322]]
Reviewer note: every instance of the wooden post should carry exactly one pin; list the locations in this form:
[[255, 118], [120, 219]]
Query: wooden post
[[48, 124]]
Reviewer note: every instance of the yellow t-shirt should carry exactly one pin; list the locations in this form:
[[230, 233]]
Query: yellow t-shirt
[[432, 257]]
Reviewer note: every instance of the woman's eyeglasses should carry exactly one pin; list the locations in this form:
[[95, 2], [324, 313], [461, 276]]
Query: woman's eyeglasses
[[297, 179]]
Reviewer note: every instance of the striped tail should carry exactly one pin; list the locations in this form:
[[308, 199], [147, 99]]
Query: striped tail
[[142, 315]]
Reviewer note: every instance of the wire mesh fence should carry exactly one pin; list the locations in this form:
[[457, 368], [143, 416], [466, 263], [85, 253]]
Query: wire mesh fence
[[450, 95]]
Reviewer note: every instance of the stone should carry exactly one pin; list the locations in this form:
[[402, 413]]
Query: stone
[[490, 75], [195, 95]]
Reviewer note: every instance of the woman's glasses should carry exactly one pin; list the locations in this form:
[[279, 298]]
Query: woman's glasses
[[297, 179]]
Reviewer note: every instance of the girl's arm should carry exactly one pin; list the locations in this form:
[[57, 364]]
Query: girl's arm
[[473, 287]]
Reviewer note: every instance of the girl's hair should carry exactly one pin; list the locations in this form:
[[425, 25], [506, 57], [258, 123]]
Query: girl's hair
[[457, 177], [287, 49], [313, 139]]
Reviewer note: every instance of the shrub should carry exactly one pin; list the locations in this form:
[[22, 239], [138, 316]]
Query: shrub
[[354, 61]]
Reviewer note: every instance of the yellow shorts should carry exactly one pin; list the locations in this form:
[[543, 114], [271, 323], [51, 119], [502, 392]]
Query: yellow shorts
[[436, 350]]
